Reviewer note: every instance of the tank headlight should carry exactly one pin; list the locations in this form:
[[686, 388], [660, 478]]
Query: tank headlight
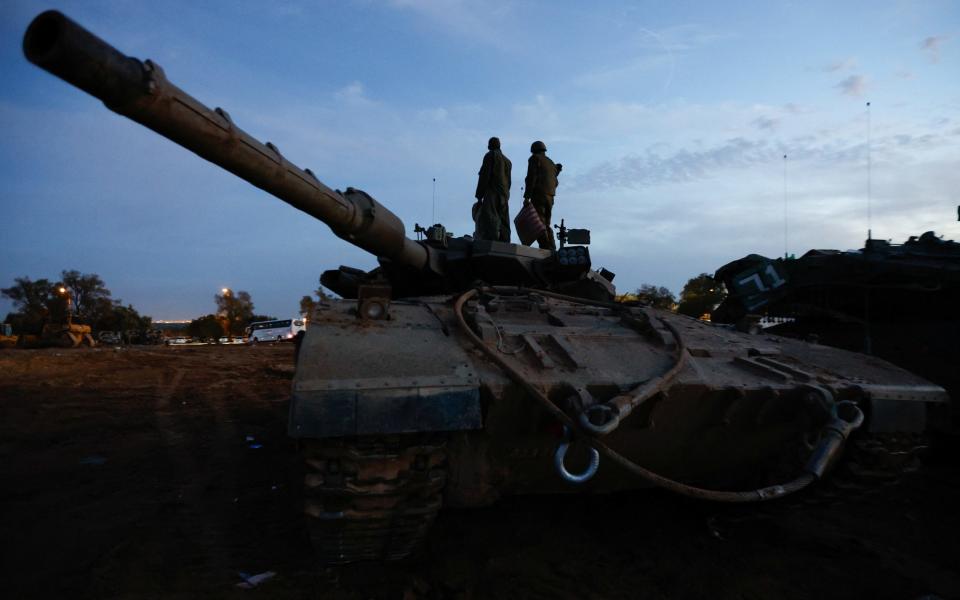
[[372, 309]]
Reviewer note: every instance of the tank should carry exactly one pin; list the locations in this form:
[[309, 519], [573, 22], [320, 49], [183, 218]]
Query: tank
[[896, 301], [460, 371]]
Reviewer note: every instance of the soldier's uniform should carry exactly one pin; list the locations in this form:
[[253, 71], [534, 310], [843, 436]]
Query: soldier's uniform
[[540, 188], [493, 193]]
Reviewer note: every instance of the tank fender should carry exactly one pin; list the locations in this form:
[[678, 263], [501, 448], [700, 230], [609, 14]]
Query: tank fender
[[401, 374], [376, 406]]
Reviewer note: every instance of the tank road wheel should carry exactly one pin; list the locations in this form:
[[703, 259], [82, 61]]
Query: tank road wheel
[[372, 498]]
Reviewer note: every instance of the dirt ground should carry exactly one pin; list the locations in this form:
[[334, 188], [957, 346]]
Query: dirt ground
[[165, 472]]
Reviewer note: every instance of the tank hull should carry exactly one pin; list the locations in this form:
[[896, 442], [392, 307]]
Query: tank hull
[[736, 416]]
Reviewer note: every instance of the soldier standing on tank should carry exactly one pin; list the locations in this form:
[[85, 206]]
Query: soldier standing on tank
[[540, 188], [493, 195]]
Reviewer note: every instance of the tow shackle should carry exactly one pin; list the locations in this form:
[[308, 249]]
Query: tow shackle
[[560, 454]]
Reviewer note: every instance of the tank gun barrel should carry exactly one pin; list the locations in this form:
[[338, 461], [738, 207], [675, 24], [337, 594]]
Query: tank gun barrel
[[140, 91]]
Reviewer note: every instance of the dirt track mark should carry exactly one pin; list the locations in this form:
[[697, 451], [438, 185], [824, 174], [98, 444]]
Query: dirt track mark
[[203, 478]]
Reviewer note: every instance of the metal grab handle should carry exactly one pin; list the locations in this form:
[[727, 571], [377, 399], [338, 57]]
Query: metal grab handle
[[560, 455]]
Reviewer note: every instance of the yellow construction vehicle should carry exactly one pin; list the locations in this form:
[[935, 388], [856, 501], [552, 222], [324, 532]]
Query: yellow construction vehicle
[[67, 335]]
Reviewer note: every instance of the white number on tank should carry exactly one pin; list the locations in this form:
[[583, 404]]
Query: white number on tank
[[774, 279], [755, 280]]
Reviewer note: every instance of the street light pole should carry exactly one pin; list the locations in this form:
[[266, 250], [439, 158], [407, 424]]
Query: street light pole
[[65, 293]]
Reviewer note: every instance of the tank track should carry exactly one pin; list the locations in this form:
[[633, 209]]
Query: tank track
[[372, 498]]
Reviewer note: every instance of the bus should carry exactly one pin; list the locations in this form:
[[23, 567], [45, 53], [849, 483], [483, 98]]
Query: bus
[[274, 331]]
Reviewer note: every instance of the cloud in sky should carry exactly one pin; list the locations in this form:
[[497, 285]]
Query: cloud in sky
[[854, 85], [767, 123], [487, 23], [657, 165], [353, 93], [691, 36], [931, 46], [841, 65], [651, 56], [630, 70], [652, 167]]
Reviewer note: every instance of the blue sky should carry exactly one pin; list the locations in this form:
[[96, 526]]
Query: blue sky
[[671, 120]]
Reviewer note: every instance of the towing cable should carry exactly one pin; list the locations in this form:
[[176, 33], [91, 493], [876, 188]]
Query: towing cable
[[846, 417]]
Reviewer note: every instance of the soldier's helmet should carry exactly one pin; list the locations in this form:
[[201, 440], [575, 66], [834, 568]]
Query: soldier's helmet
[[493, 144], [538, 146]]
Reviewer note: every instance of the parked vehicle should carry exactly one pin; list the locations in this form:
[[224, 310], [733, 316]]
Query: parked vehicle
[[281, 330], [109, 337]]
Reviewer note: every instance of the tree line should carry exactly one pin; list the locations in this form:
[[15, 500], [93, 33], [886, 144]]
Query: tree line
[[81, 296], [235, 312], [699, 296], [85, 297]]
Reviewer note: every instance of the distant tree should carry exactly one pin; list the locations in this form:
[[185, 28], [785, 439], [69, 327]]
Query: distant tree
[[88, 293], [322, 296], [36, 303], [42, 301], [121, 318], [657, 297], [98, 310], [29, 297], [207, 327], [236, 308], [700, 296], [307, 304]]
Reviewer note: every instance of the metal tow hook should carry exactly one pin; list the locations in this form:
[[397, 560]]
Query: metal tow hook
[[846, 417], [560, 455]]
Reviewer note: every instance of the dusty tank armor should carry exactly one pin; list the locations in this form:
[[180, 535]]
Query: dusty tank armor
[[427, 387], [896, 301]]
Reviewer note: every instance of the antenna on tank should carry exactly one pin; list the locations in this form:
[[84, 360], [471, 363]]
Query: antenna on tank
[[785, 253], [869, 182], [433, 206]]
